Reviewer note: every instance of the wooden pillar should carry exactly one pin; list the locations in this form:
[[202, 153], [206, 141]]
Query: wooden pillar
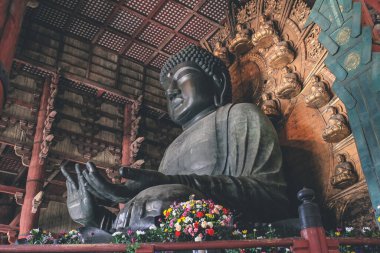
[[126, 149], [11, 15], [11, 30], [3, 13], [35, 178]]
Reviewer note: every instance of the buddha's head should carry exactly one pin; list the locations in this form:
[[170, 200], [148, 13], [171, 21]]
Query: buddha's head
[[194, 80]]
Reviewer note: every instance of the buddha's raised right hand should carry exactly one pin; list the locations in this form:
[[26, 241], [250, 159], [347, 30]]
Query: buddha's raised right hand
[[99, 187], [79, 201]]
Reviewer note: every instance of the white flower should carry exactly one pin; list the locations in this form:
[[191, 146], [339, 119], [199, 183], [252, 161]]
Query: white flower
[[162, 225], [139, 232], [260, 237], [210, 224], [188, 220], [177, 227], [349, 229], [36, 230], [204, 224], [152, 227], [198, 239], [269, 225], [117, 233], [366, 229], [174, 213]]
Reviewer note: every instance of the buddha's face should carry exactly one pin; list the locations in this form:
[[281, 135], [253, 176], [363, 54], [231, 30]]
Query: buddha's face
[[189, 91]]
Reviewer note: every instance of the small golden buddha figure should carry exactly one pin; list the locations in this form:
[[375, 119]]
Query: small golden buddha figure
[[270, 107], [264, 36], [345, 174], [221, 52], [279, 55], [242, 41], [290, 86], [318, 96], [336, 128]]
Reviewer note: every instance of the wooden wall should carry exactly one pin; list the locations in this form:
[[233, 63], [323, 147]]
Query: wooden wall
[[308, 159]]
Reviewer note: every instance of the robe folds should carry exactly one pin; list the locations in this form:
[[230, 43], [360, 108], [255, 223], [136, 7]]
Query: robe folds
[[232, 156]]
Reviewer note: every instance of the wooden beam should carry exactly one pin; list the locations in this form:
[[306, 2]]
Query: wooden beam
[[5, 228], [10, 189], [8, 172]]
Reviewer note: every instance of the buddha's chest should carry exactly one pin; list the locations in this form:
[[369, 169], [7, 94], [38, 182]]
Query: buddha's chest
[[194, 151]]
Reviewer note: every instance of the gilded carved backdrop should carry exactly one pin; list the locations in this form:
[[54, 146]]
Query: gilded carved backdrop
[[278, 64]]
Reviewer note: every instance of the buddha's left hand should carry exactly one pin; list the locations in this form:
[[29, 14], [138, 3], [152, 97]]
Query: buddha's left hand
[[101, 188], [140, 179]]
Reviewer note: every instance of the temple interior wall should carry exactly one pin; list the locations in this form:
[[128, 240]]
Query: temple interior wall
[[309, 159]]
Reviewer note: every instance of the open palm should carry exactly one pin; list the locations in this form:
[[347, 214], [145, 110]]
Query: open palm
[[79, 201]]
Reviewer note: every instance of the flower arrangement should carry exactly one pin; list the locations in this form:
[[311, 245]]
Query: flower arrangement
[[366, 232], [202, 220], [72, 237], [39, 236], [196, 220]]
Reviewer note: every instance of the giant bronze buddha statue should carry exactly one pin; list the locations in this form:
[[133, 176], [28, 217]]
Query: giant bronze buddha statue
[[229, 153]]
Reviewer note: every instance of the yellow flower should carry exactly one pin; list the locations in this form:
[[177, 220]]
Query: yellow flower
[[244, 231], [166, 230], [378, 219], [209, 215], [337, 233]]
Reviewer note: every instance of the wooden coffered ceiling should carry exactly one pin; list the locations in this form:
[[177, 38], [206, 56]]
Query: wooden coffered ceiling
[[147, 31]]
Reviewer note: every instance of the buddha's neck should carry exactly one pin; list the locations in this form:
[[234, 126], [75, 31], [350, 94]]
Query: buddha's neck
[[198, 117]]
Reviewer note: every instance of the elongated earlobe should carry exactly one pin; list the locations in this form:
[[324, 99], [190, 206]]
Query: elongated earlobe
[[220, 89]]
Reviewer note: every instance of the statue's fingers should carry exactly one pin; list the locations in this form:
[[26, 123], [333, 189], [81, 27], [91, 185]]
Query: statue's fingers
[[134, 174], [91, 167], [81, 182], [68, 177], [69, 187], [95, 185], [93, 192]]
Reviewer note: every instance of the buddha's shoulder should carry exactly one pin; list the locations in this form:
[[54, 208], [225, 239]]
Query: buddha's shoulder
[[244, 111]]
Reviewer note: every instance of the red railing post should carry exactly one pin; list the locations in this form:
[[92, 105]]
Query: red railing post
[[311, 224], [300, 246]]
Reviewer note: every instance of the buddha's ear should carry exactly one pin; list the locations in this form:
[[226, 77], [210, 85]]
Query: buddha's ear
[[220, 87]]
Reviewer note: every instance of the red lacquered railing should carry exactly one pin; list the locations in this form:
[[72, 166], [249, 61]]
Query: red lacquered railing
[[151, 247], [297, 245]]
